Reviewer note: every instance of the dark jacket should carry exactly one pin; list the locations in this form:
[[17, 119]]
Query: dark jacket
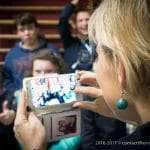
[[76, 55], [16, 62], [138, 140]]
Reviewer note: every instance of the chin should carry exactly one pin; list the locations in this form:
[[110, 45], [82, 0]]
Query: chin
[[29, 43], [84, 35]]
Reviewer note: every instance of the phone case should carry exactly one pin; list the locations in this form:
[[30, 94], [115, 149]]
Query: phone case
[[51, 93]]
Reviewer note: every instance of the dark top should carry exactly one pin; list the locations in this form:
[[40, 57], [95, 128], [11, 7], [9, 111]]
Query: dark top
[[76, 54], [138, 140], [16, 63]]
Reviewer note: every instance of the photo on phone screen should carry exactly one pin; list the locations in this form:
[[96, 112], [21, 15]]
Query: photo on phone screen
[[45, 91]]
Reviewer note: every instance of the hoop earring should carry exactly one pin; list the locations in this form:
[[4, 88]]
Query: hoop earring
[[122, 103]]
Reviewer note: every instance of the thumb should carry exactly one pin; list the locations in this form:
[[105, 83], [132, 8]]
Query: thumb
[[85, 105], [33, 118], [5, 105]]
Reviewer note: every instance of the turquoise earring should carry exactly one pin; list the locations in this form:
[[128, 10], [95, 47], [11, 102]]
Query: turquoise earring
[[122, 103]]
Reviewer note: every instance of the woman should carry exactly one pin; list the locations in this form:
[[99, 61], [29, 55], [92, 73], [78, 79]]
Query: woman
[[121, 83]]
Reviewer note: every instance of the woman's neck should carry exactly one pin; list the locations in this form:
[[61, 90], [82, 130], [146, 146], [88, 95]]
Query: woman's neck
[[143, 107]]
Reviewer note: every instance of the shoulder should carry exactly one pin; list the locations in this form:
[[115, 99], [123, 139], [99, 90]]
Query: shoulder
[[16, 46], [137, 140], [14, 49], [53, 48]]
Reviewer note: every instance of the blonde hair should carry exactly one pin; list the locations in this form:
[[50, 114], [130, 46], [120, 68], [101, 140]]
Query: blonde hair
[[124, 27]]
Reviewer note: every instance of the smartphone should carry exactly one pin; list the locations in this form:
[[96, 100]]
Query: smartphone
[[51, 90]]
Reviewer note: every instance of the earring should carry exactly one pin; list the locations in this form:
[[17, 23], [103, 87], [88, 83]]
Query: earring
[[122, 103]]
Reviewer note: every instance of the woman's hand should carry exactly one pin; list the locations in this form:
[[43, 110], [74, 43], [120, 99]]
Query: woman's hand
[[28, 129], [98, 105], [87, 77], [7, 116]]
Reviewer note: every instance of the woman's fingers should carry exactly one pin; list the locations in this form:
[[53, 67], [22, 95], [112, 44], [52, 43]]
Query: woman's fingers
[[21, 108], [98, 105], [32, 118], [21, 114], [85, 105], [90, 91], [87, 77]]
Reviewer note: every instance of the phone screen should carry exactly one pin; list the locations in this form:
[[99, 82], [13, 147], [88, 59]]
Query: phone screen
[[53, 90]]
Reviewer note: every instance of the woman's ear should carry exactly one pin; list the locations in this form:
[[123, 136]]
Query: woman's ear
[[121, 74]]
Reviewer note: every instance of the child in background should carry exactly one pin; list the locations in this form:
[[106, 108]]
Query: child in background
[[18, 58]]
